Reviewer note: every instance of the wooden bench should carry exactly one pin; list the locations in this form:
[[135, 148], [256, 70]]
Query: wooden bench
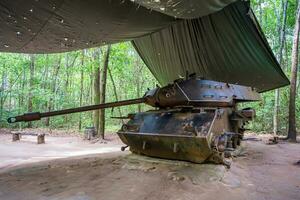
[[16, 136]]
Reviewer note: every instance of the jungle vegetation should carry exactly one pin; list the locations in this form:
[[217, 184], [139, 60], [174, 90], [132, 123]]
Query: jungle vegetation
[[46, 82]]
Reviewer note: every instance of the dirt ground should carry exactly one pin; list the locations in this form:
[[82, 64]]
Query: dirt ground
[[58, 145], [260, 172]]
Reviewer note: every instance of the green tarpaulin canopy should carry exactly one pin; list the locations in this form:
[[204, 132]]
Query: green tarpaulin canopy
[[217, 39], [185, 9], [44, 26], [226, 46]]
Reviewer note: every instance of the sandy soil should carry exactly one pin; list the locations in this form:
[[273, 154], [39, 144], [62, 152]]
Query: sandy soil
[[58, 145], [260, 172]]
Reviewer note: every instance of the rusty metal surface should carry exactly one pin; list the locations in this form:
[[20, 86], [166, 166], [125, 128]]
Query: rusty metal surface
[[191, 134], [37, 115], [196, 120], [189, 148], [199, 92], [182, 134], [189, 92], [187, 122]]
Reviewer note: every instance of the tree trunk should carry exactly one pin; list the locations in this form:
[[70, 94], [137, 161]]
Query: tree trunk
[[292, 134], [53, 89], [115, 92], [3, 82], [260, 2], [9, 102], [103, 92], [23, 85], [138, 76], [97, 89], [46, 73], [31, 86], [91, 95], [81, 88], [66, 88], [67, 92], [45, 84], [281, 31]]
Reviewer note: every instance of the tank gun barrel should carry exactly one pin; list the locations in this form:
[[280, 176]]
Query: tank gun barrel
[[27, 117]]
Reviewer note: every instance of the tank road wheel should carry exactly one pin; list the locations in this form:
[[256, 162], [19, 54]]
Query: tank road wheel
[[227, 154], [239, 140], [234, 141], [218, 158]]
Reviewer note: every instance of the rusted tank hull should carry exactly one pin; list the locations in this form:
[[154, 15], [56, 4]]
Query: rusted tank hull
[[181, 133], [188, 148], [193, 134]]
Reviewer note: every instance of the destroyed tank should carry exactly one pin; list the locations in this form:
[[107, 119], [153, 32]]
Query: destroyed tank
[[193, 119]]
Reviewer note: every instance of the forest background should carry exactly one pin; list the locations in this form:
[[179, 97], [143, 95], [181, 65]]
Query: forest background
[[47, 82]]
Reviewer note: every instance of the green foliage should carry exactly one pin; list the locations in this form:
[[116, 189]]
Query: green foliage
[[269, 14], [57, 79]]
